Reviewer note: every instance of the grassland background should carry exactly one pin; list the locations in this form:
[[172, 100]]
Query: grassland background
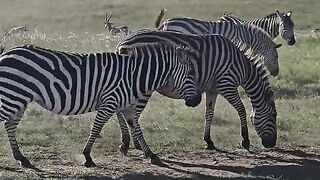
[[77, 25]]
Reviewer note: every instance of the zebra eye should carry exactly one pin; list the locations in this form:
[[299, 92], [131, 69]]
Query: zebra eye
[[192, 72], [185, 57]]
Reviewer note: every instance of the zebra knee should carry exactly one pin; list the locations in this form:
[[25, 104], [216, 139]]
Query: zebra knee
[[130, 122]]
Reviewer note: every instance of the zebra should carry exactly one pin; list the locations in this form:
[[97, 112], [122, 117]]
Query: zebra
[[220, 68], [250, 39], [276, 23], [70, 83]]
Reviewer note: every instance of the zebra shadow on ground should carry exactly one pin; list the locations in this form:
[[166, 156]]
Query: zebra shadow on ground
[[304, 166], [292, 164], [40, 174]]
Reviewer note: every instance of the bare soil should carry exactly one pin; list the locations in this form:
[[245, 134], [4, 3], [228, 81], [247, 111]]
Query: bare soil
[[280, 163]]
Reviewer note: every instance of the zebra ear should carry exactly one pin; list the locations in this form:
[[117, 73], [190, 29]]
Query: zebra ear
[[186, 50], [278, 46], [289, 13], [181, 53], [128, 51]]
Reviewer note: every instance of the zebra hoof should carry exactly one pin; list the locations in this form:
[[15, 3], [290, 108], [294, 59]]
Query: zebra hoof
[[246, 145], [210, 146], [157, 161], [124, 149], [26, 163], [89, 164]]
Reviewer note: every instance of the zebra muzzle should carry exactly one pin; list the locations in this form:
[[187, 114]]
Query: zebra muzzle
[[193, 101], [268, 140], [274, 72], [292, 41]]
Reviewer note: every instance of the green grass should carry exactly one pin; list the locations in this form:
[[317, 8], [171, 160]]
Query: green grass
[[88, 16], [169, 126]]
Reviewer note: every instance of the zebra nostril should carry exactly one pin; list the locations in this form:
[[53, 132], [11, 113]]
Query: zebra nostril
[[291, 42]]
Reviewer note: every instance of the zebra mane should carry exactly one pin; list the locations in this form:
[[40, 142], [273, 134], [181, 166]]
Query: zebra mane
[[228, 16], [2, 48], [262, 70], [32, 46], [272, 15], [131, 50]]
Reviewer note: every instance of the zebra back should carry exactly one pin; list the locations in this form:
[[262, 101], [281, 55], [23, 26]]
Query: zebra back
[[250, 39], [210, 61]]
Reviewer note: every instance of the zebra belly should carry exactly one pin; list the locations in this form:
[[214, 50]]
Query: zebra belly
[[62, 111]]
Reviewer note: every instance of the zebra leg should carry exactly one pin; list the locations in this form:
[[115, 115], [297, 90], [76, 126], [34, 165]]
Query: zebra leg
[[137, 133], [134, 114], [136, 143], [11, 126], [129, 115], [125, 135], [101, 119], [126, 118], [234, 99], [211, 98]]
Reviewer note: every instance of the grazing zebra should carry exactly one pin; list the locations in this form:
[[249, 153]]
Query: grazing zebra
[[275, 24], [70, 83], [220, 68], [250, 39]]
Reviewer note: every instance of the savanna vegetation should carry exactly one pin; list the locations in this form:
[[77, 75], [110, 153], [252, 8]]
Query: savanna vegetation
[[54, 143]]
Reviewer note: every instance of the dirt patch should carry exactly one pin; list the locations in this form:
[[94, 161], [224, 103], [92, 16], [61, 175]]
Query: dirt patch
[[280, 163]]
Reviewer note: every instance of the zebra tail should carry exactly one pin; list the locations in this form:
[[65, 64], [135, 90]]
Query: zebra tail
[[159, 18]]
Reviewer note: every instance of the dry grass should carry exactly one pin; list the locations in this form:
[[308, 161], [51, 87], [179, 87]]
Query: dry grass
[[54, 143]]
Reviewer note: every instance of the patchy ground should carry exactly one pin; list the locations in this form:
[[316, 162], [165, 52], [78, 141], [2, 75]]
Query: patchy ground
[[281, 163]]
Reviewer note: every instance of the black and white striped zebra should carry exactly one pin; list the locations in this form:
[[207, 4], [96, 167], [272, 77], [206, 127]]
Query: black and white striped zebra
[[70, 83], [220, 68], [250, 39], [275, 24]]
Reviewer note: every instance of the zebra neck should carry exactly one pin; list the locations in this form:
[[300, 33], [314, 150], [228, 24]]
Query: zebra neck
[[224, 28], [234, 33], [256, 84], [269, 24]]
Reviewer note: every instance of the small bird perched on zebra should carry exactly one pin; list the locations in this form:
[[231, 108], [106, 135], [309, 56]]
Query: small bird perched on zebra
[[70, 83]]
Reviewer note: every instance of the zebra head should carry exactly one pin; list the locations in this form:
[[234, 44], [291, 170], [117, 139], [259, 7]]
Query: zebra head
[[286, 27], [271, 60], [183, 77], [264, 120]]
